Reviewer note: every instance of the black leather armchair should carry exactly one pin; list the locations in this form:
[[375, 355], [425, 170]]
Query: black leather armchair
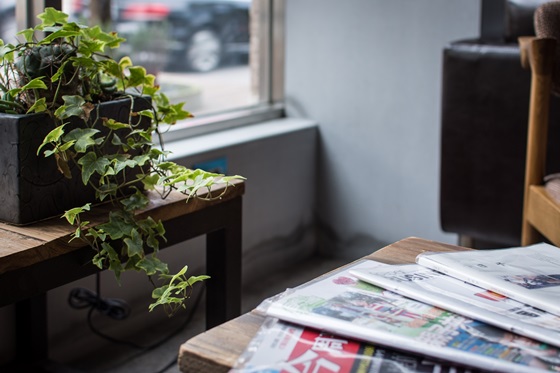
[[485, 103]]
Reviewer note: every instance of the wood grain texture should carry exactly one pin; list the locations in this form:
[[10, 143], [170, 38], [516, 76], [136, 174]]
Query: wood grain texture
[[22, 246], [217, 349], [538, 54], [543, 213]]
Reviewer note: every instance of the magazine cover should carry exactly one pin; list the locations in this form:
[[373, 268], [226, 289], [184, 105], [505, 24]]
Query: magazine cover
[[428, 286], [341, 304], [281, 347], [527, 274]]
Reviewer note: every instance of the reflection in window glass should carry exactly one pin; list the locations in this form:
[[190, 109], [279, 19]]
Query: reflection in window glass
[[8, 27], [198, 49]]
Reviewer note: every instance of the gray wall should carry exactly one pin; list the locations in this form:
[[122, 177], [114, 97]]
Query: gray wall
[[369, 71]]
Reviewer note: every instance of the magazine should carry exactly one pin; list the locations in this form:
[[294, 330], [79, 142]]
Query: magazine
[[281, 347], [428, 286], [339, 303], [529, 274]]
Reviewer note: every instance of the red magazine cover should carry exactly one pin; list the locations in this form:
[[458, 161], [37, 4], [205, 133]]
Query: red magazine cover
[[281, 347]]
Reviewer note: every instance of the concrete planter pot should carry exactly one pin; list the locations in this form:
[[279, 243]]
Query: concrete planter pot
[[31, 187]]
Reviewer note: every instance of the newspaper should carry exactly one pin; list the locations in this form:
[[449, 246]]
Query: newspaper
[[530, 275], [428, 286], [281, 347], [341, 304]]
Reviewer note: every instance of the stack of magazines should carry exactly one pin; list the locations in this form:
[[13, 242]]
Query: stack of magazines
[[468, 311]]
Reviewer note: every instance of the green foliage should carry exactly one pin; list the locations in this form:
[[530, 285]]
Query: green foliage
[[66, 75]]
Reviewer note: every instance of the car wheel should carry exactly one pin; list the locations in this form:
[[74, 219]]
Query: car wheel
[[204, 51]]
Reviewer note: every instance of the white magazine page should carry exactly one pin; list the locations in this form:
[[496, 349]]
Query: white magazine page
[[527, 274], [279, 346], [428, 286], [343, 305]]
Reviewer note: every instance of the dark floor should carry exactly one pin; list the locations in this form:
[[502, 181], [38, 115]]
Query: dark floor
[[121, 359]]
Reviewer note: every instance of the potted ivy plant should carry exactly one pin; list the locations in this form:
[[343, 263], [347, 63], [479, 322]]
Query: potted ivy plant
[[77, 130]]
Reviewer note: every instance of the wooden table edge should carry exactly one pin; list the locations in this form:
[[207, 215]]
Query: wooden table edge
[[50, 238], [201, 354]]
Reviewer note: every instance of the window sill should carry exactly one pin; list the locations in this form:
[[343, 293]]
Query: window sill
[[236, 136]]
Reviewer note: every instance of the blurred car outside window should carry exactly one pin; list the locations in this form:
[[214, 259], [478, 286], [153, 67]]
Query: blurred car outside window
[[204, 52]]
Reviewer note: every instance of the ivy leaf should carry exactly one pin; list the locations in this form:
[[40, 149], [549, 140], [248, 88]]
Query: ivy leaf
[[141, 159], [150, 90], [158, 293], [96, 234], [152, 265], [58, 34], [116, 140], [39, 106], [150, 181], [105, 190], [72, 107], [139, 77], [228, 179], [114, 125], [62, 165], [115, 263], [111, 67], [36, 83], [136, 201], [61, 70], [122, 164], [152, 242], [194, 279], [83, 138], [134, 244], [90, 47], [160, 229], [117, 268], [6, 52], [98, 260], [117, 227], [27, 34], [131, 263], [52, 137], [112, 40], [51, 17], [85, 62], [147, 113], [72, 214], [124, 63], [147, 224], [91, 164], [116, 40]]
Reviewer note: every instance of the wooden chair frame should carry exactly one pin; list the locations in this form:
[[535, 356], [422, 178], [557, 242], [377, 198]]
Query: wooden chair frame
[[541, 214]]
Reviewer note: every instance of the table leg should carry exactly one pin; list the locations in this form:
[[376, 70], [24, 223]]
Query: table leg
[[223, 265], [31, 327]]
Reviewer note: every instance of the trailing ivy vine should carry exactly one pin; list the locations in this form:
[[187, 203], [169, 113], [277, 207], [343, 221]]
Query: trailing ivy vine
[[66, 74]]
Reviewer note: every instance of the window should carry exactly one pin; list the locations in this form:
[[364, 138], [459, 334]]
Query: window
[[224, 58], [8, 20]]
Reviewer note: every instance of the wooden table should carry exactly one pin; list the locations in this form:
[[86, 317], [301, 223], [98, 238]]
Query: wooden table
[[217, 349], [39, 257]]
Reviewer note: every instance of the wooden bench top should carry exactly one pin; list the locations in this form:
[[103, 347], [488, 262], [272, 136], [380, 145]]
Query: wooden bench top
[[23, 246]]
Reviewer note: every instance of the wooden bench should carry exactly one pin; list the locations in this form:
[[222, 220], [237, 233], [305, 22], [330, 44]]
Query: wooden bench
[[39, 257]]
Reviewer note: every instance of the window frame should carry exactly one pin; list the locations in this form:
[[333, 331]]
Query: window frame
[[270, 73]]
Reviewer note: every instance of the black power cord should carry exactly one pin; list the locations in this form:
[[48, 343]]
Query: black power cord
[[118, 309]]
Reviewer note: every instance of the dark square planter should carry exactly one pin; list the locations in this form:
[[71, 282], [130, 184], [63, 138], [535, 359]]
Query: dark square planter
[[31, 187]]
